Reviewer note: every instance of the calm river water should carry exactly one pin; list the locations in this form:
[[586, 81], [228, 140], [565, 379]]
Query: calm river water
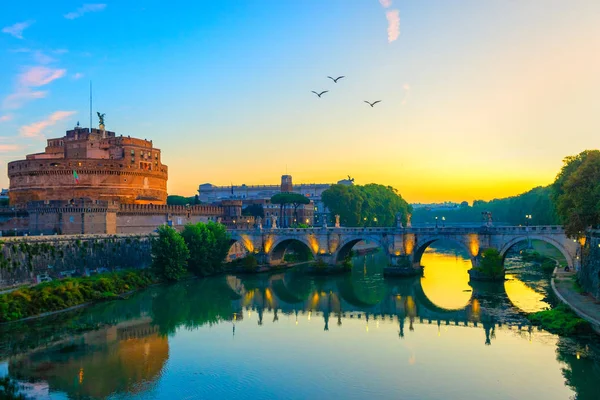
[[293, 336]]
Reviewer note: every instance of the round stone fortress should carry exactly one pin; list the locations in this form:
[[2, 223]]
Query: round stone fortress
[[94, 164]]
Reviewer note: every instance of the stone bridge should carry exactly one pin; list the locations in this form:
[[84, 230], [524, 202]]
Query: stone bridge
[[332, 244]]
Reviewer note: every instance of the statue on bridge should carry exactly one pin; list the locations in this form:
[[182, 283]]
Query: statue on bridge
[[399, 220], [337, 221], [273, 221], [258, 223]]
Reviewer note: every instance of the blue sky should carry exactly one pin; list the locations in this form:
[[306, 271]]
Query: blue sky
[[480, 99]]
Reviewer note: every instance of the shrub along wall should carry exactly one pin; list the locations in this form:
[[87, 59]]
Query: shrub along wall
[[23, 259]]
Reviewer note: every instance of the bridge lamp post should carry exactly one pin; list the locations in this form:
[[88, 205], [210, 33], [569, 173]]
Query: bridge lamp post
[[527, 219], [375, 220], [443, 222], [365, 220], [436, 221]]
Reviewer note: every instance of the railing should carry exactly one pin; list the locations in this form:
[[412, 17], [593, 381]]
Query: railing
[[543, 229]]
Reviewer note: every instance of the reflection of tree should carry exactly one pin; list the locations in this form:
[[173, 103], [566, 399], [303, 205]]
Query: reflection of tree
[[582, 370], [193, 304]]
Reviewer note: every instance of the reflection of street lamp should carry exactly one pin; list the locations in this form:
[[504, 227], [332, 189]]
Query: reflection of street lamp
[[443, 222]]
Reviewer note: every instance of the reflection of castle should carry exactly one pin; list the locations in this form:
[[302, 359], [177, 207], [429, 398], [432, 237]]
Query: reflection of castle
[[124, 358]]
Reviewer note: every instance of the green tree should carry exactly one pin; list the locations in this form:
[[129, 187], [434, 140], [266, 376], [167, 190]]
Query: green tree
[[293, 199], [169, 254], [254, 210], [368, 205], [175, 200], [576, 192], [491, 263], [208, 245]]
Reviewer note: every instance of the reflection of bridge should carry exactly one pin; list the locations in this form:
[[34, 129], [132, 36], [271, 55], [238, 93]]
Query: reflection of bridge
[[333, 244], [389, 299]]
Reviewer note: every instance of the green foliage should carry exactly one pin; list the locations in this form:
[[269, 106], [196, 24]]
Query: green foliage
[[175, 200], [404, 262], [576, 192], [57, 295], [491, 263], [208, 245], [560, 320], [169, 254], [250, 262], [368, 205], [536, 202], [254, 210], [285, 198], [546, 263]]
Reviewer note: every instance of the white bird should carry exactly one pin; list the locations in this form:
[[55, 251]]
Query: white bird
[[373, 103], [319, 94], [336, 79]]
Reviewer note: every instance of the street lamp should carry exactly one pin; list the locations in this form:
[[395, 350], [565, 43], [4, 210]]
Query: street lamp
[[443, 222], [436, 219], [527, 219]]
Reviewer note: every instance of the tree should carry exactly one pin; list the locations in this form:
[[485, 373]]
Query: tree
[[491, 263], [176, 200], [208, 245], [169, 254], [285, 198], [368, 205], [254, 210], [576, 192]]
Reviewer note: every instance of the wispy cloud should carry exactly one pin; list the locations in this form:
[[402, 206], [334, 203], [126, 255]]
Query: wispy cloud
[[42, 58], [60, 51], [40, 76], [4, 148], [385, 3], [17, 29], [32, 77], [77, 75], [406, 88], [86, 8], [393, 18], [37, 128], [6, 118]]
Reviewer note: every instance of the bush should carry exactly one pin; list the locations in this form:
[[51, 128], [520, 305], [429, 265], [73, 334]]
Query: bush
[[58, 295], [250, 262], [491, 263], [169, 254], [560, 320]]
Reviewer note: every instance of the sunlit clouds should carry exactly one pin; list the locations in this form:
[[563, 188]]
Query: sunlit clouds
[[32, 77], [6, 118], [406, 88], [86, 8], [36, 129], [385, 3], [393, 18], [17, 29], [5, 148]]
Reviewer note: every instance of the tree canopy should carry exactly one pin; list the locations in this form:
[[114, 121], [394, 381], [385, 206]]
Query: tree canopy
[[254, 210], [289, 198], [176, 200], [576, 192], [169, 254], [208, 245], [512, 210], [368, 205]]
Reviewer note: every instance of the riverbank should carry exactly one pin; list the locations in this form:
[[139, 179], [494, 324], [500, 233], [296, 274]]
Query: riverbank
[[582, 304], [57, 296]]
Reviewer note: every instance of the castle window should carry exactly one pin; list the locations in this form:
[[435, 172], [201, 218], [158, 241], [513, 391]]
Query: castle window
[[132, 160], [133, 152]]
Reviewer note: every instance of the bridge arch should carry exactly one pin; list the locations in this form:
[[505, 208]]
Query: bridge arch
[[505, 248], [346, 246], [281, 245], [424, 243]]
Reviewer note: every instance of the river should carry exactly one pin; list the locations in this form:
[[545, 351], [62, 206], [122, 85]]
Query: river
[[293, 336]]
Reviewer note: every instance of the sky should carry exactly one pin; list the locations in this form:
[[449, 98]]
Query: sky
[[479, 99]]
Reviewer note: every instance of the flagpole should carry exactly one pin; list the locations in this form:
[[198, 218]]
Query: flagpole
[[90, 106]]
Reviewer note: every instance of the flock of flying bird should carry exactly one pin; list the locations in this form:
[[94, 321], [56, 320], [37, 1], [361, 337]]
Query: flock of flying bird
[[335, 81]]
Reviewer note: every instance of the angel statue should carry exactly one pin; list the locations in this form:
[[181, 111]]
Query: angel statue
[[101, 118]]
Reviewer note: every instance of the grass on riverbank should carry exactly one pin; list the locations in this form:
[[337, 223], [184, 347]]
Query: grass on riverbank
[[62, 294], [560, 320]]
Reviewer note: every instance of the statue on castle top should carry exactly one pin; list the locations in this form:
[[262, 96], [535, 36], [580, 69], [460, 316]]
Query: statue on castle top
[[101, 119]]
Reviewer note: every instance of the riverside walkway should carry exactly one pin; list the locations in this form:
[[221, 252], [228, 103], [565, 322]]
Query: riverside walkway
[[582, 304]]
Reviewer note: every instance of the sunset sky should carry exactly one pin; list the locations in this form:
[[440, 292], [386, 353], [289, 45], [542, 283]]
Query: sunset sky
[[479, 99]]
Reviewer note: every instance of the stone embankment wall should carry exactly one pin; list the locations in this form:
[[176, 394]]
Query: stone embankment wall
[[589, 274], [26, 260]]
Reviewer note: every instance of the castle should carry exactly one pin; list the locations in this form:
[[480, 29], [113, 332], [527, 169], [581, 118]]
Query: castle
[[94, 164], [92, 181]]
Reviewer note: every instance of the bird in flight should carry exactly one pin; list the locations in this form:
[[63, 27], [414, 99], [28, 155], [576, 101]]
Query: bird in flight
[[320, 94], [373, 103], [336, 79]]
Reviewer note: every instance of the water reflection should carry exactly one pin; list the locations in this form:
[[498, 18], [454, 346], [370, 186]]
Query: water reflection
[[261, 335]]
